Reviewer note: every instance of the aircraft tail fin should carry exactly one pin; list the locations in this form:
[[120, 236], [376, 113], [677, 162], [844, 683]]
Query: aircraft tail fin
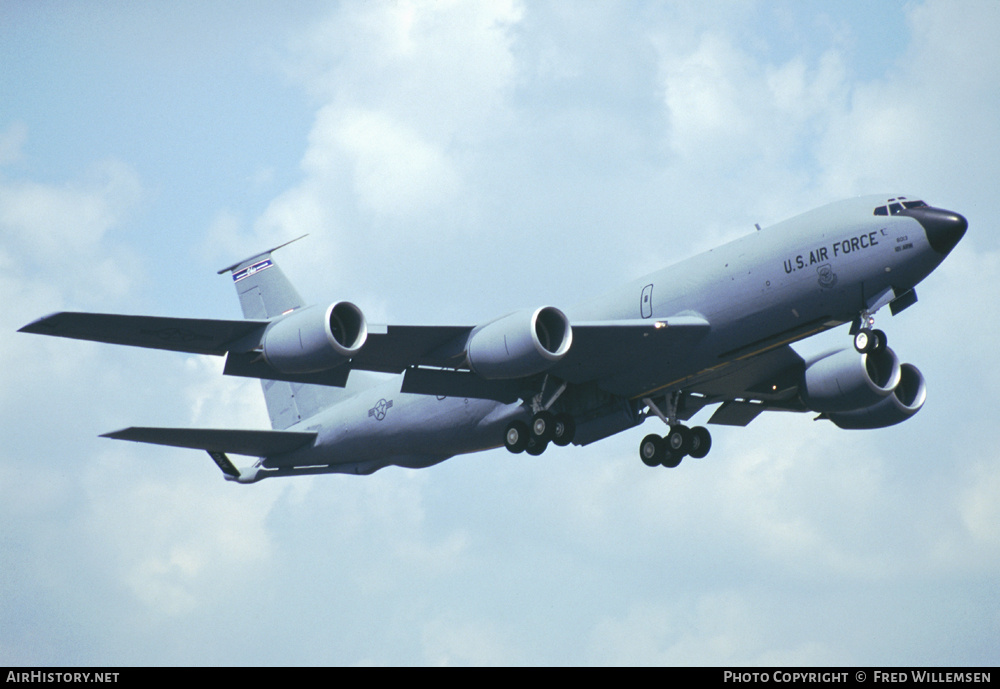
[[217, 442], [262, 287], [265, 292]]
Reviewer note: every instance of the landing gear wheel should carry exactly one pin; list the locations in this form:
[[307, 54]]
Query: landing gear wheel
[[543, 426], [701, 442], [864, 341], [536, 447], [881, 340], [516, 437], [651, 450], [868, 341], [672, 459], [564, 430], [679, 440]]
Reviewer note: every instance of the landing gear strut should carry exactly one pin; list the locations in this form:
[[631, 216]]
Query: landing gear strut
[[679, 442]]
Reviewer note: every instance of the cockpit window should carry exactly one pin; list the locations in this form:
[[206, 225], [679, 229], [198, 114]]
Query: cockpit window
[[894, 206]]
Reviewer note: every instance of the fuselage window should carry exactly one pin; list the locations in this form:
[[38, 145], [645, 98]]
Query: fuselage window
[[881, 210]]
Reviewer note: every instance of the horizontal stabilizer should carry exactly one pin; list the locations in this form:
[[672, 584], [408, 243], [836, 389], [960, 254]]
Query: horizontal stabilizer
[[239, 442], [195, 335], [251, 259]]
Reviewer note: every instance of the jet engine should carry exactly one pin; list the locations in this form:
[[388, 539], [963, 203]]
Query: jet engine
[[311, 340], [905, 401], [844, 380], [521, 344], [863, 391]]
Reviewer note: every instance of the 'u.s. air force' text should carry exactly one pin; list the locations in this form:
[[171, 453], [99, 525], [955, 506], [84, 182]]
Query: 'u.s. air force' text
[[825, 253]]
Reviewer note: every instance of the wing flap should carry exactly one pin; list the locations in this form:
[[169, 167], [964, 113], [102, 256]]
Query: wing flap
[[240, 442], [195, 335], [252, 365], [737, 413], [601, 350], [394, 348], [445, 383]]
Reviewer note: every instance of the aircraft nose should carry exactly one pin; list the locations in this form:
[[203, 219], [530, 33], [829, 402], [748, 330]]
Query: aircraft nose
[[944, 229]]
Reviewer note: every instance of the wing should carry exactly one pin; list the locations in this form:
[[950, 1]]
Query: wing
[[435, 359], [599, 349], [747, 387], [199, 336]]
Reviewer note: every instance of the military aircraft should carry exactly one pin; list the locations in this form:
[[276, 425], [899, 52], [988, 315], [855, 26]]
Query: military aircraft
[[714, 329]]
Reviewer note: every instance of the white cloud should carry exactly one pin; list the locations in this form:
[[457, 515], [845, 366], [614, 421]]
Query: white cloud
[[61, 226], [927, 122], [11, 142], [449, 642], [980, 506], [396, 171], [716, 629], [177, 544], [56, 221]]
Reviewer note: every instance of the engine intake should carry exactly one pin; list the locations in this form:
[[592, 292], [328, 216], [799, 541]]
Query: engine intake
[[521, 344], [311, 340]]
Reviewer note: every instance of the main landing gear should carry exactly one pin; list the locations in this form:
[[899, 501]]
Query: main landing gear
[[679, 442], [670, 449], [545, 427]]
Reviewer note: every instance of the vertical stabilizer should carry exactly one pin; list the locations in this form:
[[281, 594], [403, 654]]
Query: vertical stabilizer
[[265, 292], [263, 289]]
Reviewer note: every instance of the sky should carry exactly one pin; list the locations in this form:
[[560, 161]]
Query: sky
[[452, 162]]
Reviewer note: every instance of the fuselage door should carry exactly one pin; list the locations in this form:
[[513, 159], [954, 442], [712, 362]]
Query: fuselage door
[[646, 302]]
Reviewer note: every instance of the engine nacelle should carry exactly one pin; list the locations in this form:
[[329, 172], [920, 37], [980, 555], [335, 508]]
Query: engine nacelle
[[311, 339], [521, 344], [845, 380], [905, 401]]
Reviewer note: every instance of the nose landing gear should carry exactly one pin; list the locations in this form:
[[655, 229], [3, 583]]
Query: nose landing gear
[[868, 339]]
